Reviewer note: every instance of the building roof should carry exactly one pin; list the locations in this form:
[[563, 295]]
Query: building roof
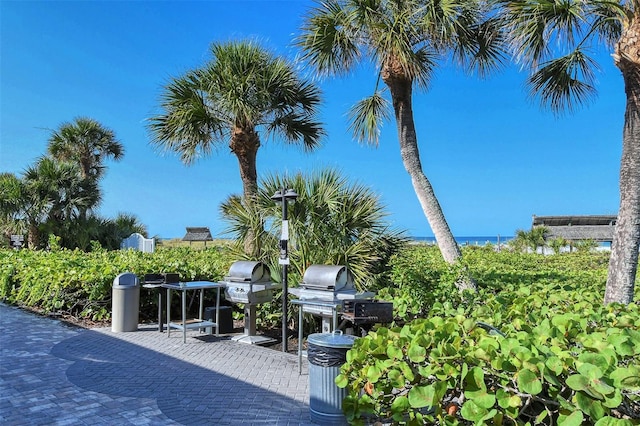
[[594, 227], [198, 234], [574, 220]]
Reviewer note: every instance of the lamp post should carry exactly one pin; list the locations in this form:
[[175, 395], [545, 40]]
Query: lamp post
[[283, 196]]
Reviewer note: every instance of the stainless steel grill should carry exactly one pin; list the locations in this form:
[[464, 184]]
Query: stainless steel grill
[[249, 283], [327, 285]]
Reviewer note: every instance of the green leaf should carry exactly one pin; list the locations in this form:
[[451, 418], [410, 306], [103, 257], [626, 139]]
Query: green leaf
[[626, 378], [555, 365], [373, 373], [613, 401], [341, 381], [422, 396], [417, 353], [529, 382], [394, 352], [590, 371], [396, 378], [602, 387], [592, 408], [574, 419], [406, 371], [481, 397], [472, 411], [611, 421], [400, 405], [475, 379], [577, 382], [541, 417], [506, 400]]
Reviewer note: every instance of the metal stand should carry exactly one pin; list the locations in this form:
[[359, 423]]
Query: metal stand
[[250, 335]]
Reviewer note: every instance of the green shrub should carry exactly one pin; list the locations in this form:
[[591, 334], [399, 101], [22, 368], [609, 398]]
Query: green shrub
[[535, 345], [79, 283]]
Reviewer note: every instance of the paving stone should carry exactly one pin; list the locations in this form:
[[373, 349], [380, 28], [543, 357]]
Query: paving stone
[[53, 374]]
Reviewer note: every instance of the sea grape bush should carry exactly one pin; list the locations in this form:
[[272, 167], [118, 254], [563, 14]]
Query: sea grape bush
[[451, 370], [534, 346], [79, 283]]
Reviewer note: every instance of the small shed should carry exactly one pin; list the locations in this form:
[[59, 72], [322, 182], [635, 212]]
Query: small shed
[[198, 234], [575, 228]]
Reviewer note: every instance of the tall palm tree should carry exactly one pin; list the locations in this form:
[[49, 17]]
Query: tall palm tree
[[405, 39], [242, 96], [555, 40]]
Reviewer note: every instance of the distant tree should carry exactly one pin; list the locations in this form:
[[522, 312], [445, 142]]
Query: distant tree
[[12, 195], [529, 240], [585, 246], [240, 97], [555, 41], [557, 244], [62, 193], [405, 40], [87, 143]]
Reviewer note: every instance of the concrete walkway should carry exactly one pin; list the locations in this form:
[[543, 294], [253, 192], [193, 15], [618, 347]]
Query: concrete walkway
[[53, 374]]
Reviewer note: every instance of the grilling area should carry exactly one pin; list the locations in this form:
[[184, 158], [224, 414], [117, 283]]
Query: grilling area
[[326, 293]]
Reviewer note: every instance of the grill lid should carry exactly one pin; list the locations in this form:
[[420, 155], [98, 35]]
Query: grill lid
[[327, 277], [247, 271]]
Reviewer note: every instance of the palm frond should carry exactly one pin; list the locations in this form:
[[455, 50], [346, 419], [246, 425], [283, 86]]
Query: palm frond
[[187, 125], [329, 38], [610, 17], [295, 127], [566, 82], [366, 118], [481, 47]]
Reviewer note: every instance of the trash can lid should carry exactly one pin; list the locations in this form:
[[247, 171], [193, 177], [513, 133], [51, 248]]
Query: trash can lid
[[126, 279], [332, 340]]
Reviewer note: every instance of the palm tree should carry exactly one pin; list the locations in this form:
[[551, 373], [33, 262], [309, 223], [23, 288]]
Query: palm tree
[[87, 143], [405, 40], [331, 222], [554, 40], [11, 203], [243, 95], [55, 194]]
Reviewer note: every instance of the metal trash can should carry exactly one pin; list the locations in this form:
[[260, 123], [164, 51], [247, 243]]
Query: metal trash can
[[326, 353], [125, 305]]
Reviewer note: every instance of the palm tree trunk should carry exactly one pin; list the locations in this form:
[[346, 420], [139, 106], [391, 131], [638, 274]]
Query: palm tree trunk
[[623, 263], [33, 239], [401, 90], [244, 144]]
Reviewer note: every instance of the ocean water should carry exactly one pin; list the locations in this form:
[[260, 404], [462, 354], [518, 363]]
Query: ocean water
[[470, 241]]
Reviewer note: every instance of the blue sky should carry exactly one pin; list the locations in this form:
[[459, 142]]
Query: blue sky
[[494, 157]]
